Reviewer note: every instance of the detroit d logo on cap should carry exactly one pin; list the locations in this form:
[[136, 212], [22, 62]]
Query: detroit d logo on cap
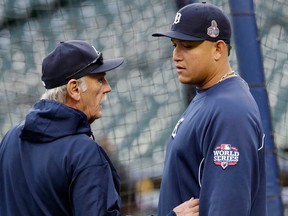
[[177, 18]]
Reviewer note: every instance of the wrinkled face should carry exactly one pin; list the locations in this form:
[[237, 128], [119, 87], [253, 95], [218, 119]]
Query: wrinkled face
[[193, 61], [93, 97]]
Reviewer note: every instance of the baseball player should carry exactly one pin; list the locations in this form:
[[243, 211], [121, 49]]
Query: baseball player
[[216, 150]]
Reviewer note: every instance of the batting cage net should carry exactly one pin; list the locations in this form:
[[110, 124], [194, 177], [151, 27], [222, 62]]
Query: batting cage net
[[146, 98]]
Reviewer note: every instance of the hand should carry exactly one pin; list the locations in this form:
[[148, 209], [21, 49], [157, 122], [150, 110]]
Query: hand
[[188, 208]]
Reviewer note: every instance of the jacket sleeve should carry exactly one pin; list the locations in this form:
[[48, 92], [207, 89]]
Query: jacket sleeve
[[94, 193]]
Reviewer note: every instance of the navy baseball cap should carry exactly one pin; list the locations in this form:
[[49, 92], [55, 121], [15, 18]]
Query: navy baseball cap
[[74, 59], [199, 22]]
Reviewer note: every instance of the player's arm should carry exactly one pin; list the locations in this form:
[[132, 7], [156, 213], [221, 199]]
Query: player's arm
[[231, 171]]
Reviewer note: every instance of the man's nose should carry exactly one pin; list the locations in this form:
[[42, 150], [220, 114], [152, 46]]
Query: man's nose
[[106, 86]]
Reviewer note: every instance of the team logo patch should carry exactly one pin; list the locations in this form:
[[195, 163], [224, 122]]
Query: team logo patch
[[213, 30], [225, 155]]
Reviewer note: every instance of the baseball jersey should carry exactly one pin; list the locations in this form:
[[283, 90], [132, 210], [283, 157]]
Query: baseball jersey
[[216, 153]]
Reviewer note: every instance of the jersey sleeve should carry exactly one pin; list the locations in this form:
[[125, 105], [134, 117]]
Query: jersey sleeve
[[233, 158]]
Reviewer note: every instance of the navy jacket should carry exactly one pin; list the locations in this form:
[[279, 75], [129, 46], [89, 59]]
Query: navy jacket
[[50, 166]]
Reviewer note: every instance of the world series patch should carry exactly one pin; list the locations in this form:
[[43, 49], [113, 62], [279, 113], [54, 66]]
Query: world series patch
[[226, 155]]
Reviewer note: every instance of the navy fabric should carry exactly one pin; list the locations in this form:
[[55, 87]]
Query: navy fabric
[[74, 59], [51, 166], [198, 22], [198, 164]]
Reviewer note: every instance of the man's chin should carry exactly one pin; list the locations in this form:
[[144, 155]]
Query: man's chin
[[184, 81]]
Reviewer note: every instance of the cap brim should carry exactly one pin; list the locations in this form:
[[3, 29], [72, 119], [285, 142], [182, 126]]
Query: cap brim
[[177, 35], [107, 65]]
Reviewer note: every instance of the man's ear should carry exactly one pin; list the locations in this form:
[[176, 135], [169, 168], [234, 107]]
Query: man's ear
[[73, 89], [220, 49]]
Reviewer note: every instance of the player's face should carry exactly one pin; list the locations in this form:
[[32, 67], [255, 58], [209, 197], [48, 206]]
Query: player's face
[[193, 60], [93, 97]]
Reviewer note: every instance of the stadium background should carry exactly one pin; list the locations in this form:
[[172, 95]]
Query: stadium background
[[147, 98]]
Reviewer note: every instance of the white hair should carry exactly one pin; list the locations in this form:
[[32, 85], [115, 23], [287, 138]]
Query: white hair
[[59, 93]]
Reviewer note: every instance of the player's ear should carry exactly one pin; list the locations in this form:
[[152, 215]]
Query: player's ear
[[220, 49], [73, 89]]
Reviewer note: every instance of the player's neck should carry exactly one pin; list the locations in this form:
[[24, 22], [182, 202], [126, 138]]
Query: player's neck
[[229, 74]]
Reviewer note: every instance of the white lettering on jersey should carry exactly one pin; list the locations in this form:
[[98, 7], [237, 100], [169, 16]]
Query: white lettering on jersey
[[176, 128]]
